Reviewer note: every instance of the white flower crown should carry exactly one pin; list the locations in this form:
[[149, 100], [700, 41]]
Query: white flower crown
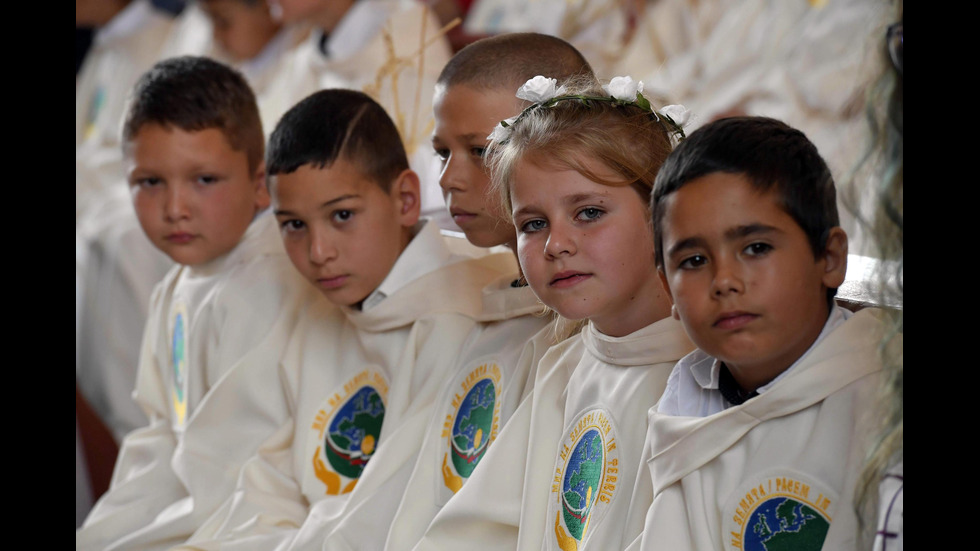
[[545, 92]]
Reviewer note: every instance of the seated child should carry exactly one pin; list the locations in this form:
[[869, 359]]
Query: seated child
[[757, 438], [246, 34], [194, 146], [363, 365], [390, 49], [474, 92], [575, 170]]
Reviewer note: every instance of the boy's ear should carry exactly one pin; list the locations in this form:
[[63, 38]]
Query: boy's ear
[[262, 199], [835, 258], [405, 192], [663, 281]]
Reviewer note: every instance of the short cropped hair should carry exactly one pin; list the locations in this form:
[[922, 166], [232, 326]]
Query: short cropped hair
[[194, 94], [338, 124], [772, 155], [510, 60]]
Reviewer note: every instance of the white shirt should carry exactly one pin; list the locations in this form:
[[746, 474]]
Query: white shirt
[[425, 253], [692, 389]]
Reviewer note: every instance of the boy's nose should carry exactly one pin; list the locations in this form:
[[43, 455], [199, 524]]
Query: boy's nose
[[452, 178], [176, 207], [322, 248], [727, 279]]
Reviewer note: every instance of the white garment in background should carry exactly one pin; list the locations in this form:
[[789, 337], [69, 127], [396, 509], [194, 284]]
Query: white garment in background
[[354, 380]]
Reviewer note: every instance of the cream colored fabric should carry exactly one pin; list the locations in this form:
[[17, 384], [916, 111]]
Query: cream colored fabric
[[354, 381], [718, 481], [212, 329], [586, 382], [477, 397]]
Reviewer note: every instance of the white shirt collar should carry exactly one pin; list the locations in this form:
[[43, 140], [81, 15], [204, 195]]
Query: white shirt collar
[[692, 388], [425, 253]]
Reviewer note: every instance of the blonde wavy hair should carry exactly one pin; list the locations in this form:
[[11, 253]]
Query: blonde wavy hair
[[583, 135]]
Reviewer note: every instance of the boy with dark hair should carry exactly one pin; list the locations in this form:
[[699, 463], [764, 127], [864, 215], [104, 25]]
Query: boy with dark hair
[[757, 437], [364, 366], [193, 143]]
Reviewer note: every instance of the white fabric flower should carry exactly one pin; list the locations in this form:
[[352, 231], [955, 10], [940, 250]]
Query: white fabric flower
[[500, 132], [678, 113], [623, 88], [540, 89]]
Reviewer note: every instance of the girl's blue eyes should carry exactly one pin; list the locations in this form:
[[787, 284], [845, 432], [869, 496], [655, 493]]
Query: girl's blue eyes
[[532, 226], [590, 213]]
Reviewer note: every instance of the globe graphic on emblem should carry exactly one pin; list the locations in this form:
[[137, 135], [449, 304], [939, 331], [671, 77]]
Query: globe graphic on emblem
[[353, 433], [178, 356], [473, 427], [583, 474], [783, 523]]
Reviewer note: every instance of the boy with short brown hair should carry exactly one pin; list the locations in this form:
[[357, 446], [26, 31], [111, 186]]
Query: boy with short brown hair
[[194, 146]]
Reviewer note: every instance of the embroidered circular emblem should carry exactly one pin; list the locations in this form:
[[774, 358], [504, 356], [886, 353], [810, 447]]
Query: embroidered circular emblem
[[585, 478], [787, 510], [354, 432], [583, 475], [471, 424], [178, 361], [346, 432]]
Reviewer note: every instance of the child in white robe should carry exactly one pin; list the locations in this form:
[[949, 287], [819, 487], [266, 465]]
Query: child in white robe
[[474, 92], [363, 365], [576, 169], [194, 146], [117, 266], [758, 438]]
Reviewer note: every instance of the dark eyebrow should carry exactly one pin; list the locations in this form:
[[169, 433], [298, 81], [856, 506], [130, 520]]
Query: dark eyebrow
[[749, 229], [738, 232], [283, 212], [339, 199], [689, 243]]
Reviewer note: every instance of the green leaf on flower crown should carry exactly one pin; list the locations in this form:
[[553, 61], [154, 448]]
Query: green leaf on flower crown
[[642, 102]]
